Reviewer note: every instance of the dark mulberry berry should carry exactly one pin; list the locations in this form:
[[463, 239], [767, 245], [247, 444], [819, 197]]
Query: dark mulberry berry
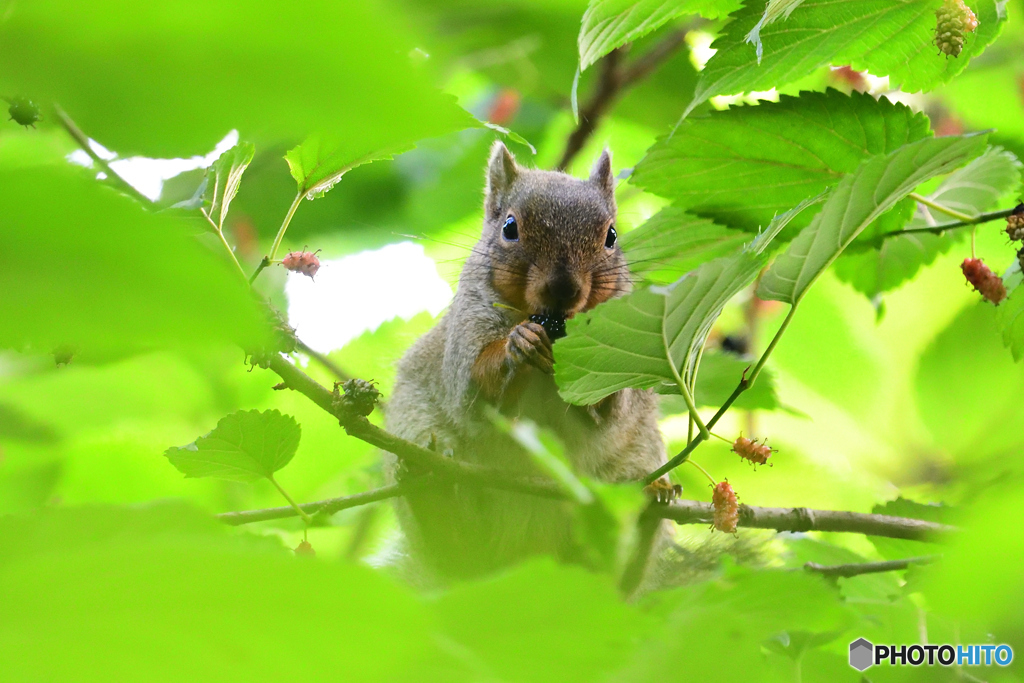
[[727, 510], [952, 21], [304, 262], [553, 325], [1015, 224], [984, 280], [360, 396], [23, 111]]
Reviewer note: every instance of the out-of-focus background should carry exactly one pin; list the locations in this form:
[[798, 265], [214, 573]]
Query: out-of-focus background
[[909, 393]]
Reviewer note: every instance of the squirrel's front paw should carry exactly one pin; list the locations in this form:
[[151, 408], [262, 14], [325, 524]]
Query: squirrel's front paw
[[529, 343], [663, 491]]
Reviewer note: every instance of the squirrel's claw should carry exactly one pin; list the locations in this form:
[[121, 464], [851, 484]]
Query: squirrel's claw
[[529, 343], [663, 491]]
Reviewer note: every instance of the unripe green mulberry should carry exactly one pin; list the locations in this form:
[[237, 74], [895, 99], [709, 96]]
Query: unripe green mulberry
[[954, 19]]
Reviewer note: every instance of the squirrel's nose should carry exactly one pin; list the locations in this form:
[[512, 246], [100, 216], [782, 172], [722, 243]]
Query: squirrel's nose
[[562, 292]]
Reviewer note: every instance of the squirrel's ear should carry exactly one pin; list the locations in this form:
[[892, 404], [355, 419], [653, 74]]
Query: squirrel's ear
[[601, 175], [502, 169]]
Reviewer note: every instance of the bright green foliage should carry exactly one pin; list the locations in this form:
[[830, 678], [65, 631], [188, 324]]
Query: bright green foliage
[[673, 242], [746, 164], [719, 374], [652, 338], [226, 174], [94, 270], [609, 24], [972, 189], [860, 198], [244, 446], [1011, 321], [318, 164], [891, 38], [184, 78]]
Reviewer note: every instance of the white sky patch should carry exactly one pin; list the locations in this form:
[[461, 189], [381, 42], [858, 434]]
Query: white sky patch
[[357, 293], [148, 175]]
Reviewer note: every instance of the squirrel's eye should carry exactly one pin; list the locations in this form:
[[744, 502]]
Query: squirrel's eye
[[510, 231], [609, 240]]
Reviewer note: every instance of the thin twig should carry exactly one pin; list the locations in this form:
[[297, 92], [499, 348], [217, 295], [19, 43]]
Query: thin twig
[[615, 79], [858, 568], [83, 141], [319, 509], [939, 229]]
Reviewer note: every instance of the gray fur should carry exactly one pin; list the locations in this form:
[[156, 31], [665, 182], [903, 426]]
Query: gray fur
[[457, 532]]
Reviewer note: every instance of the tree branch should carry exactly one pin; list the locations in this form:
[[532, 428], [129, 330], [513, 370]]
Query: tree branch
[[806, 519], [614, 79], [858, 568]]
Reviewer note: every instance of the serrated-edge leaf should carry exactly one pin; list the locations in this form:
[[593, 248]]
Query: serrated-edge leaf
[[1011, 321], [860, 198], [227, 176], [317, 166], [244, 446], [609, 24], [653, 336]]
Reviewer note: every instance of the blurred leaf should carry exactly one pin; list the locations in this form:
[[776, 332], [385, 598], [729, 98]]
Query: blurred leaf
[[893, 38], [244, 446], [175, 91], [864, 588], [95, 271], [971, 190], [651, 338], [317, 164], [1011, 322], [672, 242], [860, 198], [719, 375], [733, 617], [97, 594], [17, 426], [983, 436], [743, 165], [572, 623], [609, 24], [897, 549], [227, 175]]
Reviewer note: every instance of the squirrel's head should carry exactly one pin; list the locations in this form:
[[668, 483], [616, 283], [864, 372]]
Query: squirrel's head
[[550, 237]]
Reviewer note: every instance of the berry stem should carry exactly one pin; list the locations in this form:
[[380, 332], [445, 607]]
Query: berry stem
[[220, 233], [953, 213], [283, 229], [302, 513], [710, 478]]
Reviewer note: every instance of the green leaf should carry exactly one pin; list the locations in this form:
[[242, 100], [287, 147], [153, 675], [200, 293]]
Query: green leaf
[[93, 270], [672, 243], [1011, 322], [895, 548], [971, 190], [860, 198], [743, 165], [319, 163], [227, 176], [189, 73], [891, 38], [651, 338], [244, 446], [608, 24], [719, 374]]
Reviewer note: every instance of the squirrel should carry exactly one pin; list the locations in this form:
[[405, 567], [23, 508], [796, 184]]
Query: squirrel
[[549, 247]]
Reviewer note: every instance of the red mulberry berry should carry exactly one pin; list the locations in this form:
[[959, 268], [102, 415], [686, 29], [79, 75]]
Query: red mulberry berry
[[304, 262], [952, 21], [727, 510], [984, 280], [757, 453], [304, 549]]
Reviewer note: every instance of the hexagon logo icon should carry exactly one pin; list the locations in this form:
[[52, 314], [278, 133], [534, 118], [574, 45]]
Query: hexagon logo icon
[[861, 654]]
